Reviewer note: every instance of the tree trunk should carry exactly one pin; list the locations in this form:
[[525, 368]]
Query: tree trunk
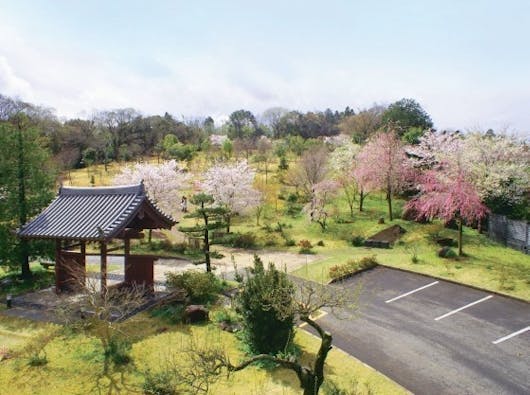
[[227, 219], [389, 200], [460, 231], [206, 242], [361, 199]]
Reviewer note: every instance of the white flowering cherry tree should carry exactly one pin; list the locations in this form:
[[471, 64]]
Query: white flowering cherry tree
[[164, 182], [231, 186]]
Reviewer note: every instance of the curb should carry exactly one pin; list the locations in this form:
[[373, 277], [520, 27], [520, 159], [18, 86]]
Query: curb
[[456, 282]]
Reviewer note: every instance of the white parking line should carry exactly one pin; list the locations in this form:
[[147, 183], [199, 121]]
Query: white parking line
[[500, 340], [411, 292], [463, 307]]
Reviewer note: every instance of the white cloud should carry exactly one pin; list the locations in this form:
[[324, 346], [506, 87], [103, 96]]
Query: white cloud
[[11, 84]]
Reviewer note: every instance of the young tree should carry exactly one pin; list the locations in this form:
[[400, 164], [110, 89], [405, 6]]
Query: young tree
[[312, 169], [26, 186], [382, 164], [163, 182], [447, 197], [212, 218], [342, 162], [320, 196], [231, 186]]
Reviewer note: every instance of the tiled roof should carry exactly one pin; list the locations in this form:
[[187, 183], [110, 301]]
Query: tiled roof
[[92, 213]]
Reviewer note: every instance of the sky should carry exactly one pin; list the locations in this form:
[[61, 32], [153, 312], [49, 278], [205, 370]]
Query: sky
[[467, 62]]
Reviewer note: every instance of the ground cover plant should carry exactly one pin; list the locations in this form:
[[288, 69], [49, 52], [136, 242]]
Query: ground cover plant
[[75, 362]]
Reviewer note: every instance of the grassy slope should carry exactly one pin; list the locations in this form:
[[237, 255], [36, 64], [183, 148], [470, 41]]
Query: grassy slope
[[75, 363], [487, 264]]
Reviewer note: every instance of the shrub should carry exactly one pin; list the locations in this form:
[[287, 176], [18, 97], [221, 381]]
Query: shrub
[[37, 360], [118, 351], [305, 247], [290, 242], [201, 287], [351, 267], [265, 304], [320, 243], [357, 241], [447, 252], [160, 383], [172, 313], [245, 240]]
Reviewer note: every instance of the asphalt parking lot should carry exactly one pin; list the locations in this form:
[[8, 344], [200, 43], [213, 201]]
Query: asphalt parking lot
[[436, 337]]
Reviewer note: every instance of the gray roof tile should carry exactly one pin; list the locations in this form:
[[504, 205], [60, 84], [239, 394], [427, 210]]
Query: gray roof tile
[[91, 213]]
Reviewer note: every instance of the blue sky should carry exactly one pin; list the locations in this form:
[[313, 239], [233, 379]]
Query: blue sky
[[467, 62]]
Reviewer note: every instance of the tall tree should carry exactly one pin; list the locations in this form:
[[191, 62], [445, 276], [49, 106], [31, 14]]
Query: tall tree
[[406, 114], [241, 124], [26, 186], [362, 125], [382, 164]]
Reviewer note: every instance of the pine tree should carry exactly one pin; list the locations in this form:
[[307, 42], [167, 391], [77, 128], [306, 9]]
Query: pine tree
[[212, 218]]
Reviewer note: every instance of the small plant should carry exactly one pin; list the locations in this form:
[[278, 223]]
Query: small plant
[[172, 313], [37, 360], [290, 242], [413, 250], [357, 241], [320, 243], [202, 287], [118, 351], [305, 247], [447, 252], [5, 353], [159, 383]]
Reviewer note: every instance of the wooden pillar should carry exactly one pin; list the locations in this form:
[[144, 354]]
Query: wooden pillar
[[58, 260], [103, 256], [126, 260]]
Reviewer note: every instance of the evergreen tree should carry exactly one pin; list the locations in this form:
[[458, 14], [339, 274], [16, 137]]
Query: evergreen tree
[[26, 186], [266, 302], [211, 217]]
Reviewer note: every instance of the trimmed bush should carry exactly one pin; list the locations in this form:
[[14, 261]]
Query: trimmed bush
[[339, 272], [201, 287]]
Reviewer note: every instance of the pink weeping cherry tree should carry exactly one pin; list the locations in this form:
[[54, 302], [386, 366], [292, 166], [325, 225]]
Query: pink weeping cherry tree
[[448, 198]]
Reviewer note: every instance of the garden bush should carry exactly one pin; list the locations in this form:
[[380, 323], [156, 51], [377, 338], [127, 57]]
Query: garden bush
[[172, 313], [351, 267], [265, 304], [118, 350], [201, 287], [160, 383], [447, 252], [305, 247], [357, 241]]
